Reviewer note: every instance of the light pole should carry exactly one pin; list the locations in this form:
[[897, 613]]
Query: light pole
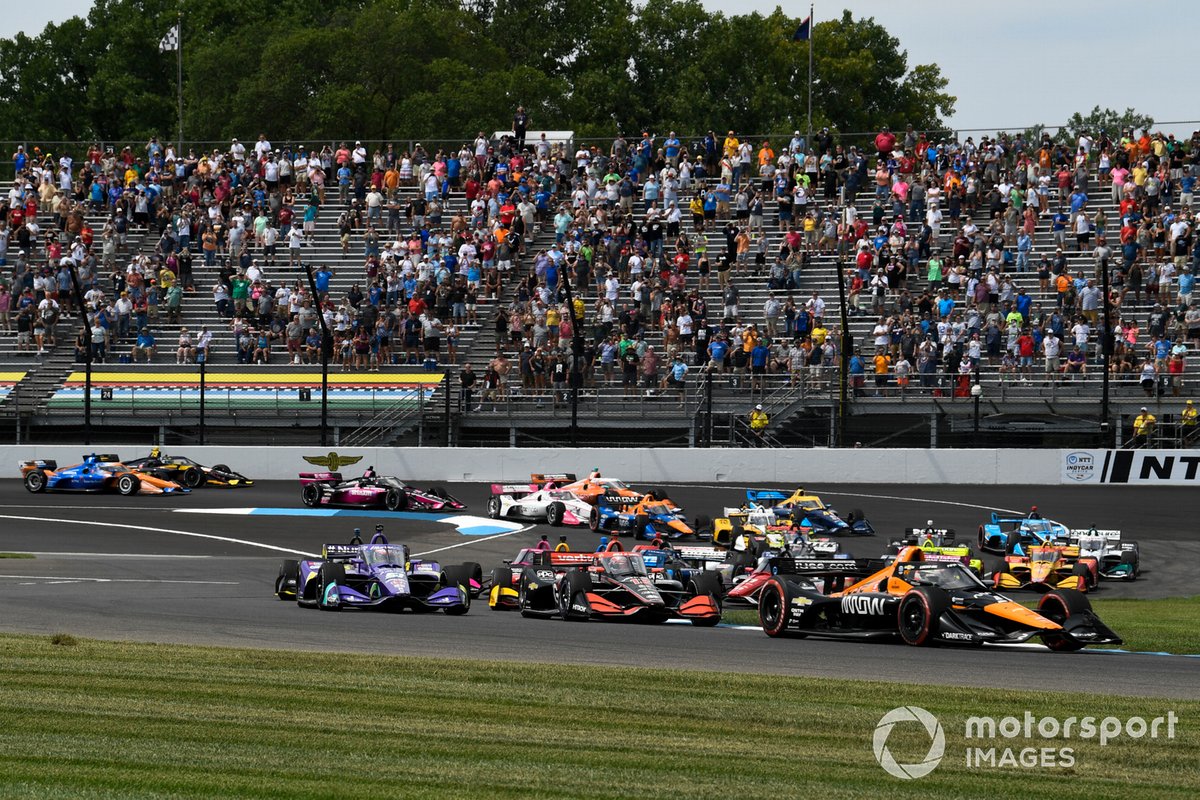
[[976, 396]]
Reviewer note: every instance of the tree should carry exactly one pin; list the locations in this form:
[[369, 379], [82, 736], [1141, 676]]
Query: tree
[[1114, 123]]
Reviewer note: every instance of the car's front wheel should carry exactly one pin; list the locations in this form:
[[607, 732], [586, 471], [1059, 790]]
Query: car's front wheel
[[493, 507], [395, 500], [554, 513], [128, 485]]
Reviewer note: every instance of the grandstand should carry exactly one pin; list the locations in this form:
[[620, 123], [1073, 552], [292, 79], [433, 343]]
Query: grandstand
[[421, 401]]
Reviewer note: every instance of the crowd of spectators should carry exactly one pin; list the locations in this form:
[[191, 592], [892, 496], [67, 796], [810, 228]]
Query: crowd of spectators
[[966, 257]]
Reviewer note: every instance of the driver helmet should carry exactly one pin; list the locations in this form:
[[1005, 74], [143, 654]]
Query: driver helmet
[[155, 452]]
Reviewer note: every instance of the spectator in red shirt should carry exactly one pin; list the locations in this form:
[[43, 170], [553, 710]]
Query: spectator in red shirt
[[885, 142]]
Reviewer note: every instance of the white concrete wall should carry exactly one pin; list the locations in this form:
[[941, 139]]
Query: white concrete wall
[[639, 465]]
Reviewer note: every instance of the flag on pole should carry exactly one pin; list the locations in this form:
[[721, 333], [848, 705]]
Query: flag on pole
[[170, 40], [804, 32]]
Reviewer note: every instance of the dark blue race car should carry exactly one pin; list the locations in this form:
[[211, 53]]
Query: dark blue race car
[[96, 473]]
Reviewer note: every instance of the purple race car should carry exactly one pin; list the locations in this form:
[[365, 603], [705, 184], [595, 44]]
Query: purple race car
[[378, 576], [372, 491]]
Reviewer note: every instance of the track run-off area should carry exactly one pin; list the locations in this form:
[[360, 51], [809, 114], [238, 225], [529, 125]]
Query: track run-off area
[[198, 569]]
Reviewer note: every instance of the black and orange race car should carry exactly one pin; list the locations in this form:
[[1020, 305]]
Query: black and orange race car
[[923, 603], [613, 585], [186, 472]]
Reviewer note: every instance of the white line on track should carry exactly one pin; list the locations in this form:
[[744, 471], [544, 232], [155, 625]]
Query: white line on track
[[476, 540], [73, 579], [209, 536], [849, 494]]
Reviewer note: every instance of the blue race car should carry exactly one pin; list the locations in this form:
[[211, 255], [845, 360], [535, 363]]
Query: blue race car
[[800, 506], [379, 576], [97, 473], [647, 517], [1012, 535]]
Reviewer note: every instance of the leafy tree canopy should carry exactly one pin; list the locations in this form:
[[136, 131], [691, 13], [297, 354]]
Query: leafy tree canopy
[[405, 69]]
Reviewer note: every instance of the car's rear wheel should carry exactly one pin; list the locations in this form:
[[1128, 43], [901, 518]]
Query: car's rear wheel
[[1059, 606], [594, 519], [395, 500], [493, 507], [640, 523], [474, 573], [438, 491], [706, 583], [329, 578], [192, 478], [288, 581], [35, 481], [774, 607], [1130, 558], [919, 613], [311, 494], [128, 485], [983, 539], [554, 513], [703, 525]]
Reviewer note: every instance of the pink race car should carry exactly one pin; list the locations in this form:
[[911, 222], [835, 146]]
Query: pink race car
[[372, 491]]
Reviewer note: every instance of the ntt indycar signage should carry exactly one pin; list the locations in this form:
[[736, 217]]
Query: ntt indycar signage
[[1157, 467]]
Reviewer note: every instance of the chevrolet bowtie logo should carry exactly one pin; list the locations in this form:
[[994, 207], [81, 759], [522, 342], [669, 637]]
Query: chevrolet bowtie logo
[[333, 462]]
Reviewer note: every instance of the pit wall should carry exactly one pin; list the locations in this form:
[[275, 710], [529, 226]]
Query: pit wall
[[650, 465]]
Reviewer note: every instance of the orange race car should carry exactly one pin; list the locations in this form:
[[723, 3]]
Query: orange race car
[[922, 603], [97, 473], [590, 489]]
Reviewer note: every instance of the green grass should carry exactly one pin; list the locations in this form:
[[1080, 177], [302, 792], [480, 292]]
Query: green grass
[[16, 555], [116, 720], [1166, 625]]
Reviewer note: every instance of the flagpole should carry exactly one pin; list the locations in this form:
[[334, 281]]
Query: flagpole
[[811, 31], [179, 80]]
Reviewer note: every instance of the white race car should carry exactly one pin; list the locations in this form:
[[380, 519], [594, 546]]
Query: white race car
[[551, 505]]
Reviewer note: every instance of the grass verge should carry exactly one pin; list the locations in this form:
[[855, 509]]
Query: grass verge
[[119, 720], [16, 555], [1166, 625]]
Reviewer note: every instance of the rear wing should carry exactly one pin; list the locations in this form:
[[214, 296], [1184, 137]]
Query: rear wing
[[512, 488], [106, 458], [756, 495], [694, 553], [41, 463], [549, 558], [935, 531], [620, 500], [1075, 534], [555, 477], [339, 552], [320, 477], [789, 565]]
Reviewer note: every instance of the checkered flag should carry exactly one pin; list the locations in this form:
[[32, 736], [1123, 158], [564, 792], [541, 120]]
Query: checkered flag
[[170, 41]]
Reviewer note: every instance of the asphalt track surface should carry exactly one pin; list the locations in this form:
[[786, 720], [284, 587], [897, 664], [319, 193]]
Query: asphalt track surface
[[137, 569]]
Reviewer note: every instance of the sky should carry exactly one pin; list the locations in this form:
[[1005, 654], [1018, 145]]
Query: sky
[[1067, 45]]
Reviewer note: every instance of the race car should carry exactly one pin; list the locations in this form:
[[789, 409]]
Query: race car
[[592, 488], [923, 604], [798, 507], [612, 585], [745, 585], [1009, 534], [757, 529], [372, 491], [548, 504], [379, 576], [97, 473], [1114, 558], [1043, 567], [939, 544], [186, 472], [646, 516]]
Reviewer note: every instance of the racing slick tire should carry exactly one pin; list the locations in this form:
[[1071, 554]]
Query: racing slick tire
[[310, 495], [706, 583], [554, 514], [1080, 569], [774, 608], [329, 575], [395, 500], [639, 526], [459, 576], [573, 591], [501, 579], [222, 468], [918, 614], [289, 573], [857, 513], [493, 507], [35, 481], [703, 525], [474, 574], [128, 484], [1131, 558], [982, 539], [594, 519], [1057, 606], [192, 478], [657, 494]]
